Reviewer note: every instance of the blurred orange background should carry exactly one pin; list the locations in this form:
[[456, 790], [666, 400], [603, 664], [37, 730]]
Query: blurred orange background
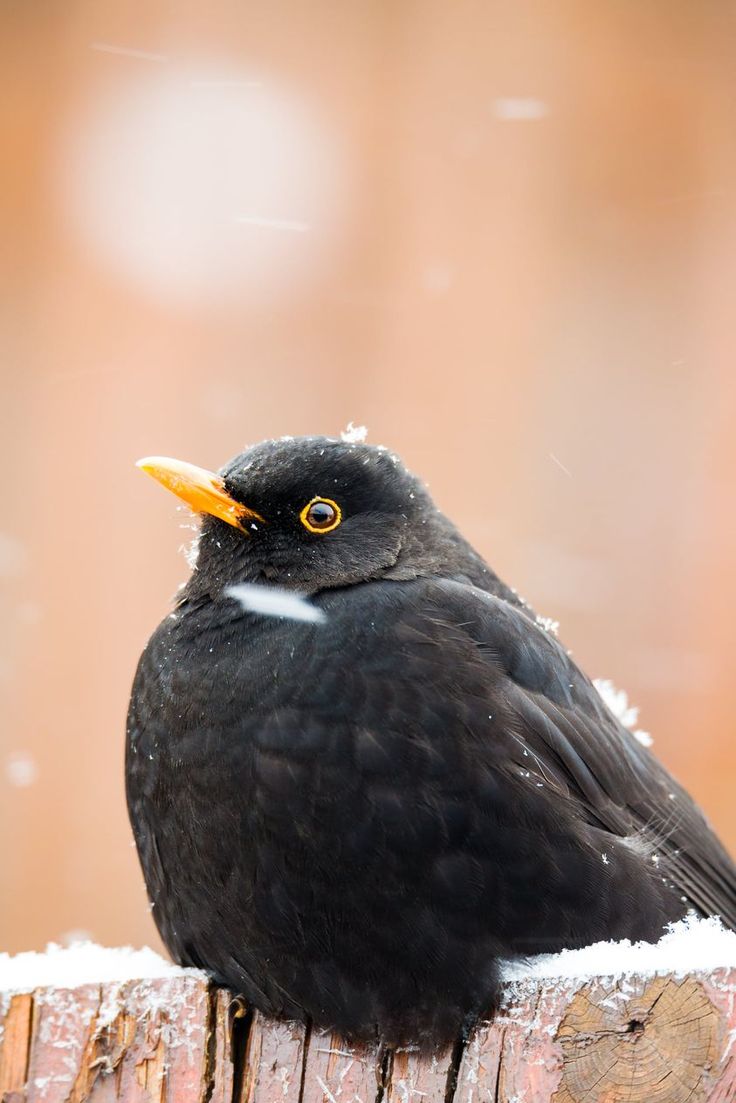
[[501, 235]]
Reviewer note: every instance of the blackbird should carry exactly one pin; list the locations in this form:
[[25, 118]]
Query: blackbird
[[351, 820]]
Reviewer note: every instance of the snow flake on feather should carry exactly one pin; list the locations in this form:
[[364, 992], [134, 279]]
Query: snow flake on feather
[[547, 624], [618, 702], [191, 553], [354, 434]]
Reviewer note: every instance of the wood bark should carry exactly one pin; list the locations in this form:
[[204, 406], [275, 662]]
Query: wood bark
[[656, 1039]]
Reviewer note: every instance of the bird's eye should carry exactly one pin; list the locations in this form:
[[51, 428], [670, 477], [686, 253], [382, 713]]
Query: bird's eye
[[321, 515]]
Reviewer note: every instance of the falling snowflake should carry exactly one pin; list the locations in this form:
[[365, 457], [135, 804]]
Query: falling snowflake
[[20, 769]]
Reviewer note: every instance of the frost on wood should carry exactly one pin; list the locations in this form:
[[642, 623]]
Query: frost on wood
[[636, 1031], [134, 1040]]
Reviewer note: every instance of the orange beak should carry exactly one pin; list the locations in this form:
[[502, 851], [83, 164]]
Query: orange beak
[[203, 491]]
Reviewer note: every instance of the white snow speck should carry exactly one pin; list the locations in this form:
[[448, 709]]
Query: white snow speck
[[126, 51], [692, 945], [354, 434], [191, 553], [618, 702], [271, 601], [21, 769], [547, 624], [520, 109], [560, 464], [83, 963]]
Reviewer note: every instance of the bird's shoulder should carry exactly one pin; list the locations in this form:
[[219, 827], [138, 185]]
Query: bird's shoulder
[[516, 702]]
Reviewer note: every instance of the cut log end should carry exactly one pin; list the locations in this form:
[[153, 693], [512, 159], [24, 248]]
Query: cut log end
[[660, 1039], [657, 1043]]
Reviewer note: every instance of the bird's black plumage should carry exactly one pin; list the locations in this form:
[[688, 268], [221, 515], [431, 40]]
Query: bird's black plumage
[[351, 822]]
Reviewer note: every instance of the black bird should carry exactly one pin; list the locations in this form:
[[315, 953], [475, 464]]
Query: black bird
[[351, 822]]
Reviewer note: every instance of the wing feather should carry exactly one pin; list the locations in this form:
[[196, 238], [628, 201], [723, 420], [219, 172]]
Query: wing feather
[[575, 741]]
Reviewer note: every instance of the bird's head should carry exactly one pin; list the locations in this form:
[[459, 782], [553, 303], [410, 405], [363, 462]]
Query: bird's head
[[312, 513]]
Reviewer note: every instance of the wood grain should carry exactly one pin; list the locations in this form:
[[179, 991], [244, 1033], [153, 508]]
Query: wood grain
[[631, 1039]]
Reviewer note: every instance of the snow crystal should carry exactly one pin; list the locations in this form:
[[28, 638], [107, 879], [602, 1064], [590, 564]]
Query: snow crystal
[[547, 624], [691, 945], [618, 702], [560, 464], [354, 434], [191, 552], [271, 601], [83, 963]]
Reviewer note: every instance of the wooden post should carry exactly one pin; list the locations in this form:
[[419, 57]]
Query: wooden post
[[174, 1039]]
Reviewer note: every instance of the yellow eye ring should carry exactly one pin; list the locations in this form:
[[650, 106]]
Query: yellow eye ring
[[321, 515]]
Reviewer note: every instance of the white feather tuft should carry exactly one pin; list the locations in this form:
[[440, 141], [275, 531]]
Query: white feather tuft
[[270, 601]]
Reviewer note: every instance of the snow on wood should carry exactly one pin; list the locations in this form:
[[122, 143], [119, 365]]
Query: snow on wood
[[602, 1025], [692, 945], [82, 963]]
